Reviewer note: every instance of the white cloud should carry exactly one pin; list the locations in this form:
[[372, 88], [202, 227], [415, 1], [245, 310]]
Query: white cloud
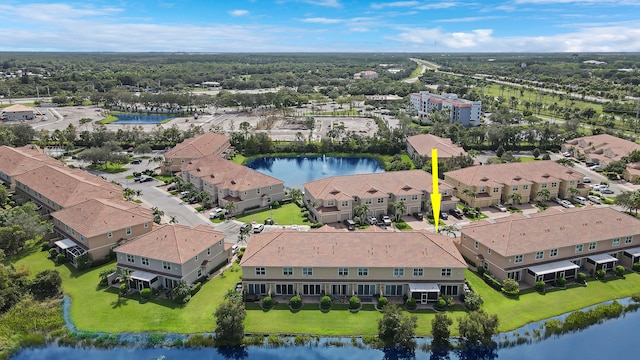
[[327, 3], [440, 5], [469, 19], [239, 12], [321, 20], [394, 4], [579, 2]]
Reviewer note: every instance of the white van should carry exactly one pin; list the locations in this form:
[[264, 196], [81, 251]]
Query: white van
[[580, 200]]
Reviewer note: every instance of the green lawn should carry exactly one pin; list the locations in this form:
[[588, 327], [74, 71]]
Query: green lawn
[[287, 214]]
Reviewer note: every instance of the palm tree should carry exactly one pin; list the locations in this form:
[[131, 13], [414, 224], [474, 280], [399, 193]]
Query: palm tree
[[543, 194], [399, 209], [124, 277], [361, 212], [515, 198], [230, 206], [128, 194], [449, 230], [573, 191], [157, 214], [173, 220], [471, 194], [296, 194]]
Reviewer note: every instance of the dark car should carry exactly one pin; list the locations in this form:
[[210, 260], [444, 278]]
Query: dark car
[[245, 228], [136, 161], [418, 216], [171, 188], [350, 224], [456, 213], [146, 179]]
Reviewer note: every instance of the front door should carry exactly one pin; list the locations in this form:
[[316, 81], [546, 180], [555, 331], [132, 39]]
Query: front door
[[424, 297]]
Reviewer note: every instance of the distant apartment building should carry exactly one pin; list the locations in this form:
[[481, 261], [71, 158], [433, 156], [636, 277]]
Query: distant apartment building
[[600, 149], [227, 181], [16, 113], [552, 244], [421, 146], [367, 75], [367, 263], [461, 111], [16, 161], [487, 185], [208, 143], [332, 199]]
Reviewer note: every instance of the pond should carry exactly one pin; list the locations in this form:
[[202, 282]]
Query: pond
[[129, 119], [295, 171]]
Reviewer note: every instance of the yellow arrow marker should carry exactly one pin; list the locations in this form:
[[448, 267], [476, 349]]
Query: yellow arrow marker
[[435, 195]]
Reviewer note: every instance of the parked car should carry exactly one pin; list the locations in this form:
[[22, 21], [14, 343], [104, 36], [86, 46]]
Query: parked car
[[235, 248], [386, 220], [372, 220], [350, 224], [566, 154], [500, 207], [444, 215], [171, 188], [594, 199], [418, 216], [257, 228], [184, 194], [215, 213], [456, 213], [580, 200], [567, 204], [586, 179], [137, 178], [136, 161], [146, 179], [607, 191], [245, 227], [594, 167], [557, 200]]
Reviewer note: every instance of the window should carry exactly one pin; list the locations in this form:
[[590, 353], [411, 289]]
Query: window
[[489, 251], [258, 191], [83, 239], [414, 197], [311, 289], [285, 289], [343, 271], [287, 271], [579, 248], [208, 251], [403, 198], [344, 204], [259, 289], [363, 271], [144, 261], [366, 289], [592, 245], [544, 185], [380, 200], [481, 190], [166, 265], [307, 271], [628, 239], [146, 225], [475, 244], [261, 271], [128, 231], [445, 272], [196, 258], [553, 252], [199, 272], [330, 202], [515, 188], [450, 290], [554, 184], [518, 258], [398, 272], [418, 272], [393, 290], [525, 187], [495, 190], [615, 242], [367, 201], [539, 255], [131, 258]]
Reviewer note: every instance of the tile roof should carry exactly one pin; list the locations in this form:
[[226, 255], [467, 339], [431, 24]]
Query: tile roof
[[363, 248], [17, 108], [425, 142], [67, 187], [514, 173], [373, 185], [518, 234], [597, 144], [228, 175], [173, 243], [16, 161], [196, 147], [100, 216]]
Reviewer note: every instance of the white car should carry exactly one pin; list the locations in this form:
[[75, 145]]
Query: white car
[[257, 228], [567, 204], [557, 200], [594, 199], [217, 212], [500, 207]]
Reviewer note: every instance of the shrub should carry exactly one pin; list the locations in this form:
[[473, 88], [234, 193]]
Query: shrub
[[582, 277], [411, 304], [325, 303], [145, 293], [441, 304], [382, 301], [540, 286], [473, 301], [636, 266], [267, 302], [619, 271], [354, 302], [600, 274], [561, 281], [481, 270], [510, 287], [195, 288], [61, 259], [295, 302], [54, 252], [491, 281]]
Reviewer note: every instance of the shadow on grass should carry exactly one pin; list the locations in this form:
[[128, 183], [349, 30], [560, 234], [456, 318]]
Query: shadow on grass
[[30, 248]]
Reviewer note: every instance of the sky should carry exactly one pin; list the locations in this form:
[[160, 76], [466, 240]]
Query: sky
[[320, 26]]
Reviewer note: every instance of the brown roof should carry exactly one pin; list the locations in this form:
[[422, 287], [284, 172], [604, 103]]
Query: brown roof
[[336, 248], [17, 108], [518, 234], [407, 182], [514, 174], [199, 146], [425, 142], [228, 175], [100, 216], [67, 187], [16, 161], [597, 144], [173, 243]]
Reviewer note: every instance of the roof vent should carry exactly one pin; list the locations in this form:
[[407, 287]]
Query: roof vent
[[484, 178], [233, 182]]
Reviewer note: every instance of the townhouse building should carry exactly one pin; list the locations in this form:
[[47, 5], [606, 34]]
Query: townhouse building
[[16, 161], [600, 149], [365, 263], [97, 226], [333, 199], [552, 244], [421, 146], [487, 185], [227, 182], [190, 149], [171, 254], [461, 111]]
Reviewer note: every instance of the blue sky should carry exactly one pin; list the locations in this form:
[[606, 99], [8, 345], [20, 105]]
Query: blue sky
[[321, 25]]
